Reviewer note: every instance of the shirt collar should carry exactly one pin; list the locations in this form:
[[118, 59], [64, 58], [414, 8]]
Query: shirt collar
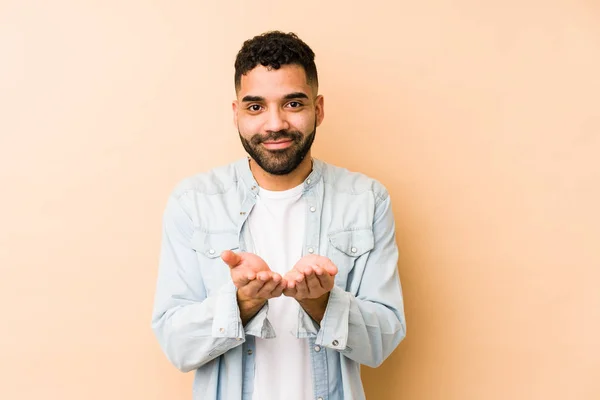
[[242, 167]]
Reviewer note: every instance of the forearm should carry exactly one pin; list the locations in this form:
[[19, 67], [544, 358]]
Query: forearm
[[193, 333]]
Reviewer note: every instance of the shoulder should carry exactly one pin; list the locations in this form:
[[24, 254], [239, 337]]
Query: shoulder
[[215, 181], [343, 180]]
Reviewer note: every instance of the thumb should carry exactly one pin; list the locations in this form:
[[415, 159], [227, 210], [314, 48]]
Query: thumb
[[230, 258]]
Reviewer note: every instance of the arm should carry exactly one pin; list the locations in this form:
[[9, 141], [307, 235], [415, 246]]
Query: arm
[[369, 326], [192, 328]]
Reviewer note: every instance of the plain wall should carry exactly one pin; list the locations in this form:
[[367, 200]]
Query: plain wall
[[481, 118]]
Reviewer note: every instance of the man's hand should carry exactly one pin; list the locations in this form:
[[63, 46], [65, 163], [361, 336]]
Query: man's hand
[[255, 281], [311, 278], [310, 282]]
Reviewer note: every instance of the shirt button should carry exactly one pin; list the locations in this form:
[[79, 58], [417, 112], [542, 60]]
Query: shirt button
[[313, 209], [335, 343], [211, 251], [221, 330], [311, 250], [250, 352], [319, 398], [353, 249], [308, 181], [317, 348]]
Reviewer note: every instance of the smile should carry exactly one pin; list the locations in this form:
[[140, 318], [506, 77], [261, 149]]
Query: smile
[[278, 145]]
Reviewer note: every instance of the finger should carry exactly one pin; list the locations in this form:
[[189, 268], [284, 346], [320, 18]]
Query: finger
[[318, 270], [267, 276], [241, 279], [230, 258], [281, 286], [277, 278], [271, 281], [289, 292], [252, 288], [328, 266], [292, 278], [307, 270], [264, 275], [313, 284], [327, 281], [267, 289], [291, 284], [301, 290]]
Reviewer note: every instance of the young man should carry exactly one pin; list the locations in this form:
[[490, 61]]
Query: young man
[[278, 273]]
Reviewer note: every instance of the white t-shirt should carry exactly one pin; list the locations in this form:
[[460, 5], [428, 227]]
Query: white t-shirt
[[282, 365]]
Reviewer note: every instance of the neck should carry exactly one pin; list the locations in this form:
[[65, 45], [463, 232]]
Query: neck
[[282, 182]]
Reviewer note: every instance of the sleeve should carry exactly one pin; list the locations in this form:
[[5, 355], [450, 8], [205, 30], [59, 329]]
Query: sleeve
[[191, 328], [369, 326]]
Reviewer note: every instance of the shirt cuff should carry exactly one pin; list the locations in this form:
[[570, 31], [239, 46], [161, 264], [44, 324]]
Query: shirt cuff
[[333, 332], [227, 322], [306, 327], [259, 325]]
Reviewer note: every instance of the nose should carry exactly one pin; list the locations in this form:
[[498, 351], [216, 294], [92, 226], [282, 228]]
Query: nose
[[276, 121]]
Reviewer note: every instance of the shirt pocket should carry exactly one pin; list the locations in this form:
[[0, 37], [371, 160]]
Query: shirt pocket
[[208, 247], [348, 250]]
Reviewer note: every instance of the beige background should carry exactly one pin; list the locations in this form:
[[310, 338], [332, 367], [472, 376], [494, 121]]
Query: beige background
[[482, 118]]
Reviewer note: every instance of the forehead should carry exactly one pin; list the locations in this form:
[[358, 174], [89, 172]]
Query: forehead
[[274, 83]]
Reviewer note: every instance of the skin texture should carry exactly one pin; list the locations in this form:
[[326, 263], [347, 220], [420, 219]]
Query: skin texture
[[277, 104]]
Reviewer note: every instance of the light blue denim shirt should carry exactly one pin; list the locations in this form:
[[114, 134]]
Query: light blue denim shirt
[[196, 316]]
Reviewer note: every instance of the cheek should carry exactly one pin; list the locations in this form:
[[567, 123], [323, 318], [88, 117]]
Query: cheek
[[302, 122], [249, 126]]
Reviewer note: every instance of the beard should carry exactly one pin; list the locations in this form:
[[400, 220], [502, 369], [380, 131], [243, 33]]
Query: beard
[[281, 161]]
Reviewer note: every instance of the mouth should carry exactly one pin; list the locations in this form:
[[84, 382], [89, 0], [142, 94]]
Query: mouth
[[278, 144]]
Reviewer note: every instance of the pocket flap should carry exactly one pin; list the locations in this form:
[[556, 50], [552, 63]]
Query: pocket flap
[[354, 242], [212, 245]]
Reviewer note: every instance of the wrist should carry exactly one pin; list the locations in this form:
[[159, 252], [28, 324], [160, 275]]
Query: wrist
[[249, 303], [249, 308], [319, 301], [315, 307]]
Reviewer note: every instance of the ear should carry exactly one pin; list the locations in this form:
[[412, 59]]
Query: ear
[[320, 109], [234, 107]]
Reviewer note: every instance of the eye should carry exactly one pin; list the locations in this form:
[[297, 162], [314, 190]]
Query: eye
[[294, 104], [254, 108]]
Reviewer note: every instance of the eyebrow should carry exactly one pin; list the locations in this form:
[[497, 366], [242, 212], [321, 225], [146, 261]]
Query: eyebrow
[[296, 95], [290, 96], [248, 99]]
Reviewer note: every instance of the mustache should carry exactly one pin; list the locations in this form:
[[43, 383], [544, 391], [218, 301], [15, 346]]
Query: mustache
[[273, 136]]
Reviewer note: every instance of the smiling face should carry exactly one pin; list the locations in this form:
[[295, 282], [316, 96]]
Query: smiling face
[[277, 112]]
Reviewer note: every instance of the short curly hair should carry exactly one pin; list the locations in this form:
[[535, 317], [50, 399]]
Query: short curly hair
[[272, 50]]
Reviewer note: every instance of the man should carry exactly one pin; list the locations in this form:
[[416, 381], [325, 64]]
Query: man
[[278, 273]]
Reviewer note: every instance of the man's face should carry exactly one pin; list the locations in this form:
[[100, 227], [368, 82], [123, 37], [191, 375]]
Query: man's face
[[277, 113]]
